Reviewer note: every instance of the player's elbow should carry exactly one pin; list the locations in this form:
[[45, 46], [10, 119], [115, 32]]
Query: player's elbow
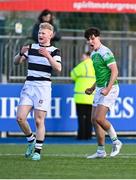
[[58, 68]]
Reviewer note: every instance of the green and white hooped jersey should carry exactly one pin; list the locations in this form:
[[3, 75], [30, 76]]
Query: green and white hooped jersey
[[102, 58]]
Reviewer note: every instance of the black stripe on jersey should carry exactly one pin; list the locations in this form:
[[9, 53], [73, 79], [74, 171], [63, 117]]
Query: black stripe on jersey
[[32, 78], [39, 67], [34, 52], [58, 62], [56, 52]]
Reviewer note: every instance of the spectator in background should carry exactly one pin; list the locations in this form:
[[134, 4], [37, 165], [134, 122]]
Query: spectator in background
[[83, 75], [46, 16]]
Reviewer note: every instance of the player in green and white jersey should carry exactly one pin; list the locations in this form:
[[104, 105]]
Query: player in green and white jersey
[[102, 59], [106, 91]]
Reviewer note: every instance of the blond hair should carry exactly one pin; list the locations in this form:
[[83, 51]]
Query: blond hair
[[46, 25]]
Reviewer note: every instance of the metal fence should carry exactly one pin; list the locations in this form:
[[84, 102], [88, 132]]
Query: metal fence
[[72, 45]]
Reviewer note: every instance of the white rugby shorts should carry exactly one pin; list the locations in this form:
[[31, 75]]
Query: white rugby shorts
[[108, 100], [39, 97]]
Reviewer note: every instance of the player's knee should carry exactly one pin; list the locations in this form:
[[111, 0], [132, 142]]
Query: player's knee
[[99, 119], [39, 122], [20, 119]]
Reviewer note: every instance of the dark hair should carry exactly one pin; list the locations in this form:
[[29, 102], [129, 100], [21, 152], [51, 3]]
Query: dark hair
[[87, 53], [92, 31], [44, 13]]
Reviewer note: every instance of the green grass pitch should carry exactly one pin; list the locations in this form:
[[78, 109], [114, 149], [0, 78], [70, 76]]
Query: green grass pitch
[[66, 162]]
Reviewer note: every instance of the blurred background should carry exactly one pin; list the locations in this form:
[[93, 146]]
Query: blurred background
[[117, 26]]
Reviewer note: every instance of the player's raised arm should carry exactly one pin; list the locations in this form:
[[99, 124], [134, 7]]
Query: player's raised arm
[[21, 56]]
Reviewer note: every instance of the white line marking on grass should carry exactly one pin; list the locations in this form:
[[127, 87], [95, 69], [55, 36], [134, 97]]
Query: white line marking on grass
[[124, 156], [8, 154], [48, 155]]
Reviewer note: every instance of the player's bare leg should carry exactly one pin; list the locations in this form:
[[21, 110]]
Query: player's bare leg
[[107, 126], [99, 119], [22, 113], [40, 133], [100, 134]]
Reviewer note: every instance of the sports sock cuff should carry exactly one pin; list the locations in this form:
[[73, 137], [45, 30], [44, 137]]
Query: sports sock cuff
[[30, 138], [37, 150], [38, 144]]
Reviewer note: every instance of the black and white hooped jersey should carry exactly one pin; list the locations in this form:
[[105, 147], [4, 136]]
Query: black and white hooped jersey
[[39, 68]]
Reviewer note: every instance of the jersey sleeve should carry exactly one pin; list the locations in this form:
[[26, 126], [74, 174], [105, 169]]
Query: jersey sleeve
[[109, 58], [56, 54]]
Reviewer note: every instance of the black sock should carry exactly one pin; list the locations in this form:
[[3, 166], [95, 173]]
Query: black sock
[[38, 146], [37, 151]]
